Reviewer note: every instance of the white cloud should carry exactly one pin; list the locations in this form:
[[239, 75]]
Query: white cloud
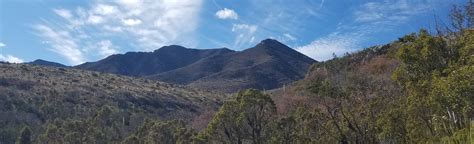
[[323, 49], [245, 34], [2, 45], [162, 22], [106, 48], [62, 43], [142, 24], [289, 36], [227, 14], [10, 59], [131, 22]]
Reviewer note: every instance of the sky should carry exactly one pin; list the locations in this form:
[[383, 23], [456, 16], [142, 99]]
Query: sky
[[74, 31]]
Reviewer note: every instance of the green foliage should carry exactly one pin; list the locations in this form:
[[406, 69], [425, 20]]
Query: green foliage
[[167, 132], [302, 126], [438, 82], [247, 118], [105, 127], [25, 136]]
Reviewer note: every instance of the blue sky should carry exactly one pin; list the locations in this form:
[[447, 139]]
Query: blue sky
[[72, 32]]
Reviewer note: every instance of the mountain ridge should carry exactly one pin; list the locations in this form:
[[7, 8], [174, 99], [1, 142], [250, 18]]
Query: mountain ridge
[[160, 60], [268, 65]]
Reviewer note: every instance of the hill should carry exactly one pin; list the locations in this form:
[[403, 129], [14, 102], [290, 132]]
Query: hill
[[43, 96]]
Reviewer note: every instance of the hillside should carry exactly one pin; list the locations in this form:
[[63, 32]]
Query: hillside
[[375, 62], [414, 90], [37, 96]]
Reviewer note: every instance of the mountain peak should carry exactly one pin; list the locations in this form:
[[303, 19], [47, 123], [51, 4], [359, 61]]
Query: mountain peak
[[170, 48], [271, 42], [39, 60], [46, 63], [275, 48]]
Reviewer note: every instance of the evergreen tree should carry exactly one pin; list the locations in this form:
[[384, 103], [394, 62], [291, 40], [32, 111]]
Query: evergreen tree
[[247, 118], [25, 136]]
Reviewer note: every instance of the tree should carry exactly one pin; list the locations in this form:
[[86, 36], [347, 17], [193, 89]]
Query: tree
[[53, 133], [301, 126], [168, 132], [437, 78], [25, 136], [247, 118]]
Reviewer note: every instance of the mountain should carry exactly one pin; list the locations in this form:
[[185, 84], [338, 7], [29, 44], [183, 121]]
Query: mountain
[[41, 96], [46, 63], [147, 63], [268, 65]]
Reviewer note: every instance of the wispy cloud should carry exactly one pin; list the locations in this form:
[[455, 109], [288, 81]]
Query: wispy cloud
[[289, 36], [389, 12], [368, 19], [2, 45], [106, 48], [62, 43], [63, 13], [245, 34], [144, 24], [323, 49], [10, 59], [227, 14]]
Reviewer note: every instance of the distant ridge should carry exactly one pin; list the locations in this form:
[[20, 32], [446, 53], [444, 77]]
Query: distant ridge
[[147, 63], [46, 63]]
